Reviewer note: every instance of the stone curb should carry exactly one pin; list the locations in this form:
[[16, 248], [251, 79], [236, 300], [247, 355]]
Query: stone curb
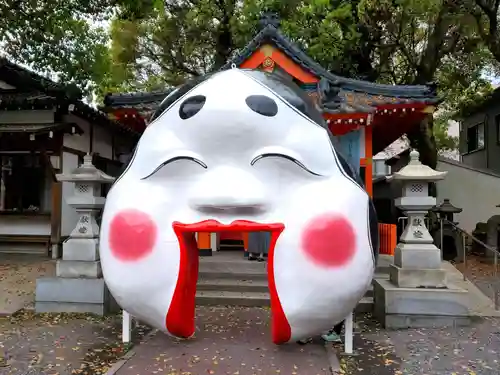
[[333, 359], [123, 360], [9, 312]]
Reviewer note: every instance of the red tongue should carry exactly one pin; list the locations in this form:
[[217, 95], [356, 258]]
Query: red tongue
[[235, 226], [180, 316]]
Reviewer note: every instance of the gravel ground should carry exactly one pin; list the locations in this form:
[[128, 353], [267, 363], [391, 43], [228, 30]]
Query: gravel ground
[[18, 274], [60, 344], [447, 351]]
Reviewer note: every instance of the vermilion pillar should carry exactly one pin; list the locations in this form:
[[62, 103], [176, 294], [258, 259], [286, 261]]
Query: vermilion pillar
[[204, 243]]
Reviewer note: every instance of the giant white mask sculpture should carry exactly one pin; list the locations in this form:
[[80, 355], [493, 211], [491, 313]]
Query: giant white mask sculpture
[[244, 151]]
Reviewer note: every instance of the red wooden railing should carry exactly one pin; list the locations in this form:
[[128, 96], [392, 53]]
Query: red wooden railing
[[387, 237]]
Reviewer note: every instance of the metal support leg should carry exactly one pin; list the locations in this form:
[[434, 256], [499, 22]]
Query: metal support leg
[[126, 327], [348, 339]]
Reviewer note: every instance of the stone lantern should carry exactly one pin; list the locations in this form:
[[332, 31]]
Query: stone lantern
[[417, 294], [416, 248], [446, 210], [450, 249], [87, 202], [79, 286]]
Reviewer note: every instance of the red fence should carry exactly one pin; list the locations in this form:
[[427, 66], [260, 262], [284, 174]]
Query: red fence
[[387, 237]]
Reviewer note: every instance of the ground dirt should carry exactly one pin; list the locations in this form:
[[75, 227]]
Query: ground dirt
[[61, 344], [18, 274]]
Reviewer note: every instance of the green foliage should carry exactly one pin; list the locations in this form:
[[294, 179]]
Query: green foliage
[[153, 44], [56, 36]]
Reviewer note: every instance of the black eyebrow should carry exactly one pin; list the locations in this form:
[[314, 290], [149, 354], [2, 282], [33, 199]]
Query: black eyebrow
[[288, 157], [175, 158]]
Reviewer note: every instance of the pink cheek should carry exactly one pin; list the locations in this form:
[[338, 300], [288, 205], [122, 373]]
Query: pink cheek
[[132, 235], [329, 241]]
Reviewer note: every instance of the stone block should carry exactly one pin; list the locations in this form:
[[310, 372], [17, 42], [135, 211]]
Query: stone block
[[417, 278], [398, 307], [424, 321], [84, 249], [69, 307], [76, 269], [426, 256], [58, 289]]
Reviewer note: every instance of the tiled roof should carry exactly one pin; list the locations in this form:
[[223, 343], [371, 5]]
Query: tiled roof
[[26, 80], [32, 91], [270, 34], [135, 98], [336, 94]]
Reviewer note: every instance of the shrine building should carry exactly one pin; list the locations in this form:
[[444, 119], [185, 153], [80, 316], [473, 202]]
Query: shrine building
[[364, 117]]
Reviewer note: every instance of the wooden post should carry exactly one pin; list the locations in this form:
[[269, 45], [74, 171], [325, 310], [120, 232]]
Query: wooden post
[[55, 218], [56, 205]]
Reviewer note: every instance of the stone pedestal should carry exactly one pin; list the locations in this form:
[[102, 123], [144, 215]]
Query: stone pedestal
[[398, 307], [417, 293], [78, 285]]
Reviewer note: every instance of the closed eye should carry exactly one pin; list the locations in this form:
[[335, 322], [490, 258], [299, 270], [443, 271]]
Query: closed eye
[[283, 156], [176, 158]]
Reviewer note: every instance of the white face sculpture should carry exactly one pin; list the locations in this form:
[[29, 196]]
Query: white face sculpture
[[242, 150]]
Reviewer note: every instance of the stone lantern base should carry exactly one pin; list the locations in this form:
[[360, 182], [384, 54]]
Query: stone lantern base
[[397, 307], [78, 286], [417, 294], [73, 295]]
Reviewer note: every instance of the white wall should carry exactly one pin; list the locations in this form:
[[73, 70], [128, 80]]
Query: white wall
[[68, 214], [75, 141], [25, 225], [27, 117], [476, 191], [103, 142], [102, 139]]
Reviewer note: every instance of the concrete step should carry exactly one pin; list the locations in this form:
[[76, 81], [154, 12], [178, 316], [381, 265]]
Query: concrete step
[[214, 298], [211, 275], [369, 292], [253, 299], [244, 282], [381, 275], [365, 305], [233, 267], [233, 285]]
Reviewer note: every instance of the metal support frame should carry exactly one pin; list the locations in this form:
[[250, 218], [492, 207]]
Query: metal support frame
[[349, 336], [126, 327]]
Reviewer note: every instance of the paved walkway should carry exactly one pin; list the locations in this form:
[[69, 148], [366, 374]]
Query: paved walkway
[[230, 340]]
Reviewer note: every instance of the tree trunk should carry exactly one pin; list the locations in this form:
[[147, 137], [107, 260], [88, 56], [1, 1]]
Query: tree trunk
[[422, 139]]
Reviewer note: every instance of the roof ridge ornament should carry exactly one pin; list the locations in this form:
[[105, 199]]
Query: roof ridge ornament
[[269, 18]]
